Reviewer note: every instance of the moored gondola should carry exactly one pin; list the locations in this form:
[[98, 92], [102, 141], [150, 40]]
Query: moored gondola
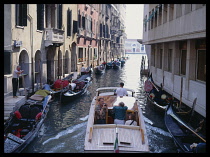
[[24, 124], [116, 64], [76, 88], [185, 137], [156, 96], [100, 69]]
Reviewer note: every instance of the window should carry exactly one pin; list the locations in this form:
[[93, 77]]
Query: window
[[170, 60], [145, 24], [83, 22], [40, 16], [149, 21], [80, 55], [153, 58], [95, 54], [75, 26], [183, 62], [156, 18], [91, 55], [7, 63], [59, 16], [152, 19], [160, 16], [178, 10], [79, 20], [201, 65], [21, 14], [69, 19], [165, 10], [171, 12]]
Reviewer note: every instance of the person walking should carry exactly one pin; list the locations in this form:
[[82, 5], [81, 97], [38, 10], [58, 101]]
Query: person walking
[[121, 91], [16, 74]]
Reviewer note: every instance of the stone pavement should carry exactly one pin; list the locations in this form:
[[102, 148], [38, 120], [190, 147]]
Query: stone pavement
[[11, 104]]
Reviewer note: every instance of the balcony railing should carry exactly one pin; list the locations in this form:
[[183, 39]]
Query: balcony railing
[[54, 36]]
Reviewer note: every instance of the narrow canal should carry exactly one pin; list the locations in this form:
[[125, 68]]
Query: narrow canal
[[65, 126]]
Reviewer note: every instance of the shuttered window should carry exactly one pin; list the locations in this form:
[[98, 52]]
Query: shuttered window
[[100, 30], [69, 19], [59, 16], [83, 22], [21, 14], [75, 26], [40, 16], [79, 20]]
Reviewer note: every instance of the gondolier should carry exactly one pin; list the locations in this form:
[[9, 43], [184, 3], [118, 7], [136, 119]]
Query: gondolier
[[15, 79]]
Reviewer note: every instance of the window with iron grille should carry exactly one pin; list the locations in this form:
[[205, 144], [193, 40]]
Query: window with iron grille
[[21, 14], [40, 16], [69, 19]]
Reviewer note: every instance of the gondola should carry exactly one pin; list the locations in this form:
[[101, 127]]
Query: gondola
[[183, 135], [109, 65], [61, 85], [116, 64], [24, 124], [110, 137], [100, 69], [77, 88], [156, 96]]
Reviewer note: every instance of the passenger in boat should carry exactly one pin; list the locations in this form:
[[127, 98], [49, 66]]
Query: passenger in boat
[[100, 111], [120, 112], [121, 91], [16, 74], [131, 120], [83, 70]]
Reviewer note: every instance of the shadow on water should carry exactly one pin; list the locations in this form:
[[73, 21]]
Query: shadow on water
[[65, 125]]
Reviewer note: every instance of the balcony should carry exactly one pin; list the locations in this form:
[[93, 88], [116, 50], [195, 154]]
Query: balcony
[[54, 37], [80, 32], [88, 35]]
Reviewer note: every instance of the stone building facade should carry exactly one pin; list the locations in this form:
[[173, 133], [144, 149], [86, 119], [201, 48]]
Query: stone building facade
[[50, 41], [177, 36]]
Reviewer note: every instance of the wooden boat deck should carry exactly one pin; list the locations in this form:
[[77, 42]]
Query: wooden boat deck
[[101, 137]]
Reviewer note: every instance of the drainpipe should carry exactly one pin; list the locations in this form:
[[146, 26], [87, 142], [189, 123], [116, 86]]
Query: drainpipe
[[32, 58]]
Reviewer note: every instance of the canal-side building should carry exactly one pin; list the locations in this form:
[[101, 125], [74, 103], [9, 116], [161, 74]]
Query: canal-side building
[[88, 34], [41, 38], [118, 34], [50, 41], [105, 37], [177, 36]]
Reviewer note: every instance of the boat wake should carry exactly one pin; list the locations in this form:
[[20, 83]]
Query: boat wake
[[65, 132], [84, 118], [157, 130]]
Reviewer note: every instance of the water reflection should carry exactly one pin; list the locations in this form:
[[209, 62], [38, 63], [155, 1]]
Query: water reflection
[[65, 125]]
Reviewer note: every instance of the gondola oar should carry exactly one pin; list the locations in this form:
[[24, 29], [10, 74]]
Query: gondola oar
[[180, 121]]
